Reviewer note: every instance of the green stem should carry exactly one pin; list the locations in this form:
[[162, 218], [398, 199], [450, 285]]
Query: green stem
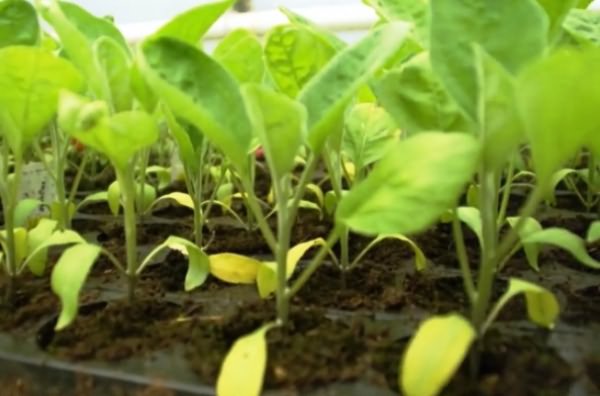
[[78, 176], [283, 244], [127, 184], [198, 213], [463, 259], [591, 182], [9, 222], [261, 220], [506, 194]]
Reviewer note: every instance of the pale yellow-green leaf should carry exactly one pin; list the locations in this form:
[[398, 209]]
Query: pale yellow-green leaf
[[179, 198], [434, 354], [234, 268]]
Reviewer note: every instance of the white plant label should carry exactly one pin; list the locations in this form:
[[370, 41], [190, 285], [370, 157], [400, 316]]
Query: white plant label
[[36, 183]]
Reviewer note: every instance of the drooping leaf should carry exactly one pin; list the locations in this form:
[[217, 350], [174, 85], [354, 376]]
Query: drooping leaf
[[115, 64], [294, 55], [18, 23], [368, 133], [593, 233], [234, 268], [420, 259], [409, 189], [471, 216], [279, 123], [30, 79], [241, 53], [57, 238], [100, 196], [565, 240], [68, 277], [198, 261], [532, 250], [243, 369], [434, 354], [416, 99], [542, 305], [24, 209], [327, 94], [553, 98], [35, 237], [192, 24], [187, 80], [514, 32], [179, 198]]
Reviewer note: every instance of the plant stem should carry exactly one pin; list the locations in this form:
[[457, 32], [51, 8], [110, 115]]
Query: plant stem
[[78, 176], [9, 223], [127, 184], [506, 194], [463, 259], [591, 181], [283, 245]]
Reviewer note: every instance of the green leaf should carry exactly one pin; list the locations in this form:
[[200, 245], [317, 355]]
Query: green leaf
[[18, 23], [327, 94], [74, 41], [565, 240], [68, 277], [187, 149], [420, 259], [472, 218], [31, 79], [234, 268], [162, 175], [100, 196], [434, 354], [416, 99], [501, 128], [557, 10], [198, 261], [192, 24], [532, 251], [542, 305], [280, 124], [294, 55], [583, 26], [298, 20], [115, 63], [414, 11], [179, 198], [243, 369], [91, 124], [113, 196], [514, 32], [24, 209], [141, 90], [57, 238], [145, 196], [187, 80], [553, 98], [412, 186], [35, 237], [241, 53], [593, 233], [368, 133]]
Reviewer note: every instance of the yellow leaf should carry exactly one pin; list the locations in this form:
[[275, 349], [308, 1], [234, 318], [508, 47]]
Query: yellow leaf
[[234, 268], [243, 369], [179, 198], [434, 354]]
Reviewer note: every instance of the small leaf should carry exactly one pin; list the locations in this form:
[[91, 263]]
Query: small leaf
[[420, 259], [542, 306], [234, 268], [113, 195], [116, 66], [327, 94], [412, 186], [243, 369], [35, 237], [593, 234], [192, 24], [161, 173], [472, 218], [145, 195], [241, 53], [530, 226], [100, 196], [565, 240], [57, 238], [18, 23], [198, 261], [434, 354], [68, 277], [24, 209], [179, 198]]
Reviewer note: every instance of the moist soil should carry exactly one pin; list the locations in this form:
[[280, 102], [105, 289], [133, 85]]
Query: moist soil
[[346, 327]]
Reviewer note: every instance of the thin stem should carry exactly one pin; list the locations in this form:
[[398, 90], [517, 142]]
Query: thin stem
[[463, 259], [283, 243], [314, 263], [127, 184], [506, 194], [261, 220], [591, 181], [78, 176], [9, 223]]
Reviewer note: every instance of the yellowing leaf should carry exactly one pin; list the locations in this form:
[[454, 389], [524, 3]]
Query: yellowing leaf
[[234, 268], [243, 369], [434, 354], [179, 198]]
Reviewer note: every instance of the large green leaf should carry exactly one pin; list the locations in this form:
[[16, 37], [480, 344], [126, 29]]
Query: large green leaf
[[412, 186], [30, 79], [241, 53], [244, 366], [119, 136], [583, 26], [414, 11], [280, 124], [558, 102], [565, 240], [294, 55], [327, 94], [434, 354], [298, 20], [369, 132], [68, 277], [192, 24], [514, 32], [18, 23], [116, 66], [77, 45], [199, 90], [416, 99]]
